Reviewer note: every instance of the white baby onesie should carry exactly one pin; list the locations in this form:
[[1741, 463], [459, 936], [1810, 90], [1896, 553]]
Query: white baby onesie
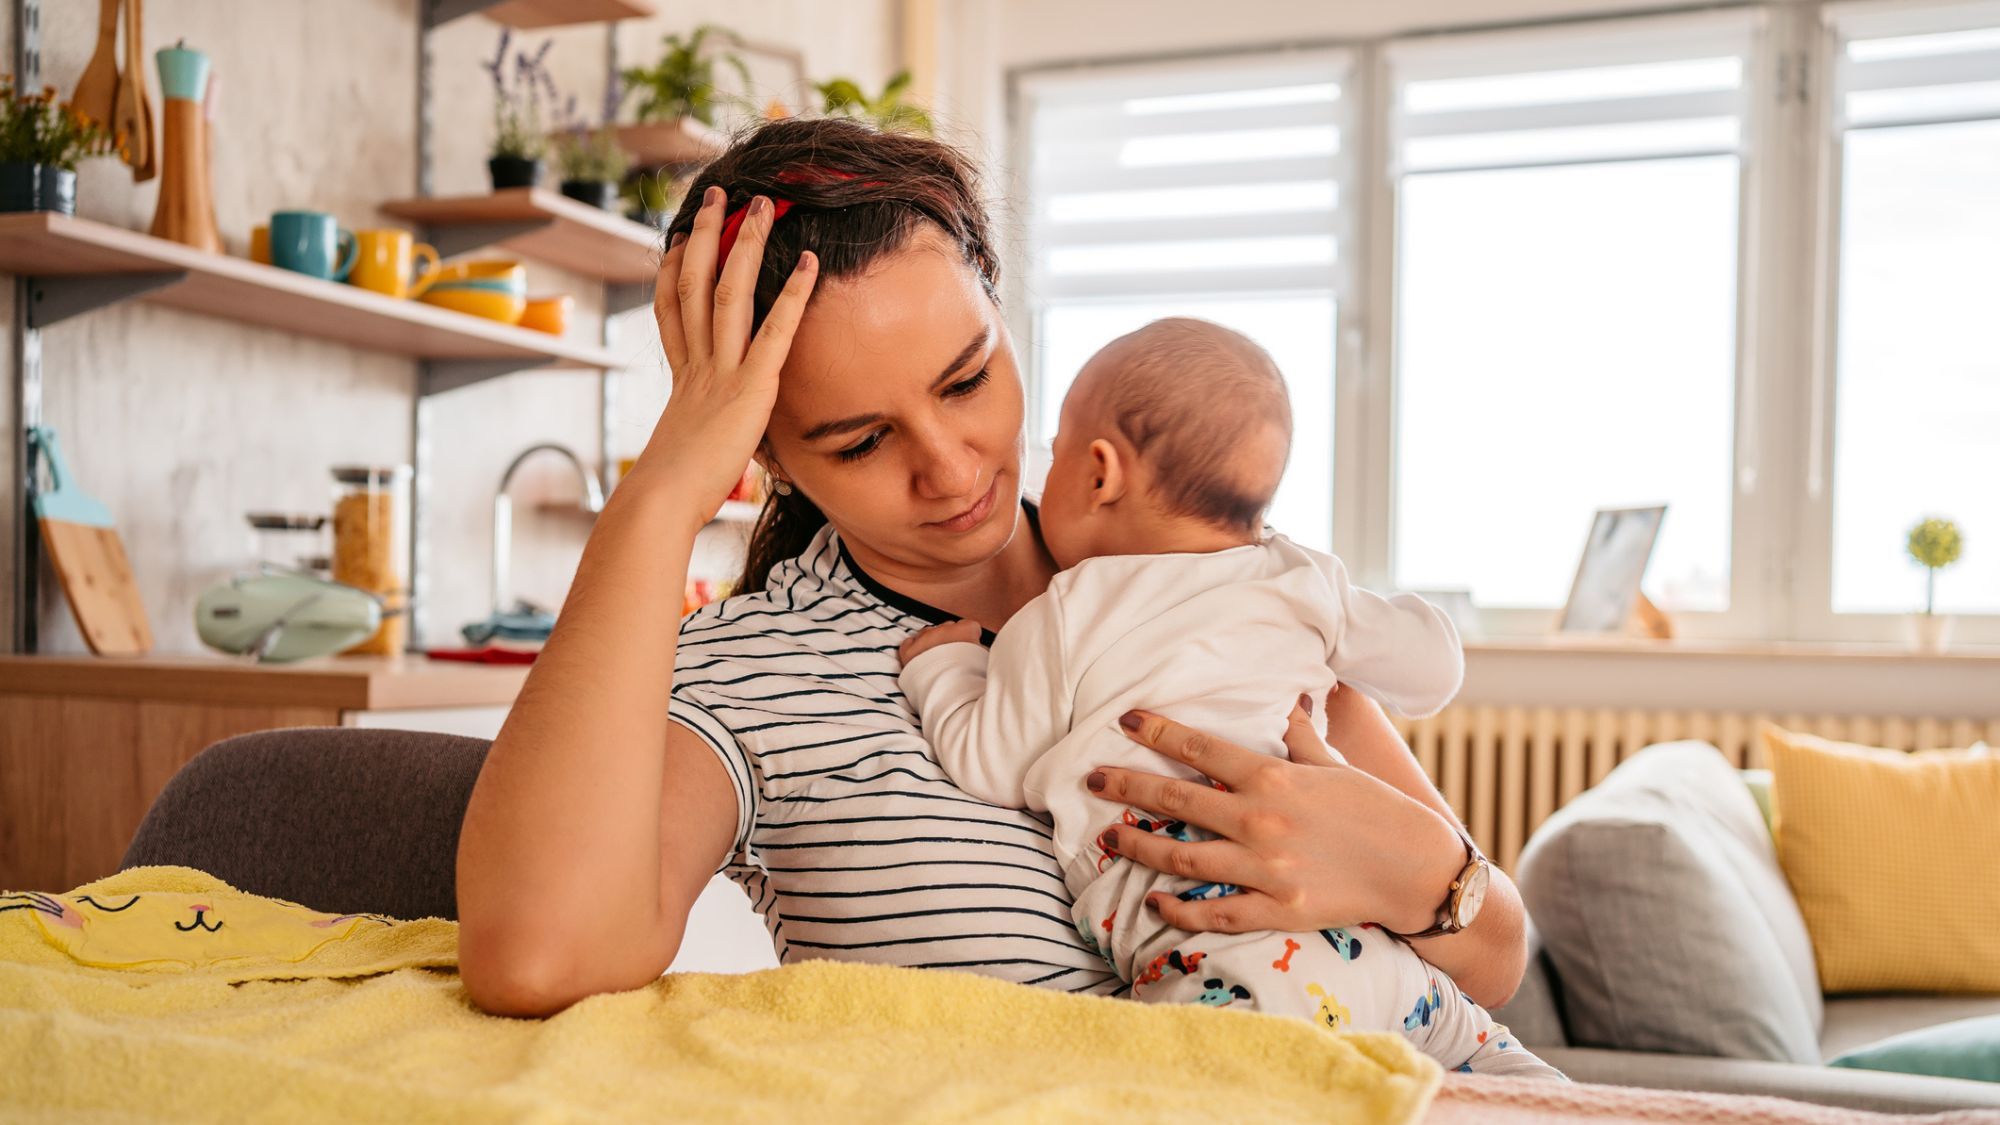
[[1223, 642]]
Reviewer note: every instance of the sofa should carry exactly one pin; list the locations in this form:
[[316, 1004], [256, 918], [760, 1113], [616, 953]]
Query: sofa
[[356, 819], [1667, 950]]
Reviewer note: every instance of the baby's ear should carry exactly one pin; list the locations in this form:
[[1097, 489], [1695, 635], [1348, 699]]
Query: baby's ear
[[1107, 469]]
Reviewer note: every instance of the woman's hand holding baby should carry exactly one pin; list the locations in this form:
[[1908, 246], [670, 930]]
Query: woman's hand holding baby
[[725, 382], [924, 640], [1313, 843]]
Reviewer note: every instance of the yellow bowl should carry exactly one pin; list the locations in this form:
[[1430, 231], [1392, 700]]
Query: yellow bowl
[[486, 269], [503, 307], [497, 290], [548, 314]]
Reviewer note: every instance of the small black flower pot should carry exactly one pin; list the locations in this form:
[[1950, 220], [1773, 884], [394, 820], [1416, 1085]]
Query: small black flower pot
[[514, 171], [601, 194], [37, 187]]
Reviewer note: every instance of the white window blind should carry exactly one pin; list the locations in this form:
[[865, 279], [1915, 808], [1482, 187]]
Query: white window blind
[[1916, 391], [1206, 189], [1565, 301]]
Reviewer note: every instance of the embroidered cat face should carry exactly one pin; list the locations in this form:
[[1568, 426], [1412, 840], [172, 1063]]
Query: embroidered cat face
[[168, 931]]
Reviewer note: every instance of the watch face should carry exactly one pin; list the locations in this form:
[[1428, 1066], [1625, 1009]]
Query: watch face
[[1471, 896]]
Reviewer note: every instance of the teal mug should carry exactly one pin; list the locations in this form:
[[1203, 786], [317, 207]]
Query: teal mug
[[312, 243]]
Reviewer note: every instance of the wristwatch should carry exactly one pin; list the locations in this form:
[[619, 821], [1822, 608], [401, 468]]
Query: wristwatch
[[1465, 895]]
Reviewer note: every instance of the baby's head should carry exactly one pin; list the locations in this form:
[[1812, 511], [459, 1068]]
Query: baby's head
[[1173, 438]]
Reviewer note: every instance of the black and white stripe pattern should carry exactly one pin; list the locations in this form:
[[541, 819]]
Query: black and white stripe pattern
[[851, 841]]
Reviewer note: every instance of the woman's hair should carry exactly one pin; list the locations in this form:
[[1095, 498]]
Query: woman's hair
[[858, 194]]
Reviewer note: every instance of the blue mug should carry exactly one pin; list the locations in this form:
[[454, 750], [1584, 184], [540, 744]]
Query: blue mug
[[311, 243]]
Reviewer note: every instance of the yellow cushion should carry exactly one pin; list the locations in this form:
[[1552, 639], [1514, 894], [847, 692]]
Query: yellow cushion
[[1892, 856]]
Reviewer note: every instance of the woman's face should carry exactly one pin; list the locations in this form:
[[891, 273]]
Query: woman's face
[[899, 412]]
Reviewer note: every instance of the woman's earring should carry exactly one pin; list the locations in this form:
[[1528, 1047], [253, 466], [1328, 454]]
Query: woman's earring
[[782, 487]]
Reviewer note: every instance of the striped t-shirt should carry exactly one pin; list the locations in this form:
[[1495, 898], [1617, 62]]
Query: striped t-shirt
[[851, 841]]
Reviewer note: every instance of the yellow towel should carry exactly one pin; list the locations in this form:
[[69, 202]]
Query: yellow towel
[[161, 993]]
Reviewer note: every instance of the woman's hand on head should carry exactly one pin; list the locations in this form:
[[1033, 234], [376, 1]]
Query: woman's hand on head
[[1312, 842], [724, 380]]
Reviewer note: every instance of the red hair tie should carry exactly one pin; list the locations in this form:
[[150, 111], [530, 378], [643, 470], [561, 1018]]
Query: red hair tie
[[732, 225]]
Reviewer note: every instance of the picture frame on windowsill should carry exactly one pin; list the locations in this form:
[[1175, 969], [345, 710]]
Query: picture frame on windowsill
[[1605, 595]]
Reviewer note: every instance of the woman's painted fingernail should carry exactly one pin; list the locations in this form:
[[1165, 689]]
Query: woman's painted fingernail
[[712, 196], [1153, 903], [1305, 703], [1095, 781], [1130, 720], [1107, 840], [679, 237], [759, 206]]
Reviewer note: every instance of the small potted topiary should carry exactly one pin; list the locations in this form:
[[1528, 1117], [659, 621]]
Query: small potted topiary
[[1935, 544], [41, 140]]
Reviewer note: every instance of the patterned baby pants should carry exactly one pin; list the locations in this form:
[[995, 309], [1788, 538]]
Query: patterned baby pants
[[1359, 979]]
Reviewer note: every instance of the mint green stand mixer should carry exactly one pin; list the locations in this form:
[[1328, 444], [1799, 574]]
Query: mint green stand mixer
[[277, 615]]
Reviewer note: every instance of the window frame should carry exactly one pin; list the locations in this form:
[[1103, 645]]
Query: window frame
[[1818, 401]]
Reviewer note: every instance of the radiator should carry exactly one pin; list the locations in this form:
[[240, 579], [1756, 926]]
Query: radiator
[[1505, 769]]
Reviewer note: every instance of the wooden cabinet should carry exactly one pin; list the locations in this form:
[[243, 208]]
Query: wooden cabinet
[[86, 743]]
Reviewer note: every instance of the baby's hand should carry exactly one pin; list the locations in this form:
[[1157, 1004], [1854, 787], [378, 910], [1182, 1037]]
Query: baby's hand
[[924, 640]]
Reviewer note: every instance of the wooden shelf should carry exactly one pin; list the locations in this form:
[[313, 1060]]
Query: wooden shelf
[[543, 225], [680, 143], [528, 15], [83, 265]]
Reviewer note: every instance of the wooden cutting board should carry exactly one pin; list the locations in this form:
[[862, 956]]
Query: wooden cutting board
[[90, 561]]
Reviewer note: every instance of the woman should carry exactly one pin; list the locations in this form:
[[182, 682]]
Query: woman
[[769, 738]]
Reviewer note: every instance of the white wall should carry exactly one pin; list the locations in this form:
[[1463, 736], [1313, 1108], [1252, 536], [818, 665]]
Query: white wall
[[182, 423]]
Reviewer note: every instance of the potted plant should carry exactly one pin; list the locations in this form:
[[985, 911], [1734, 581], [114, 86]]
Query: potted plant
[[41, 140], [844, 97], [1935, 544], [679, 100], [652, 197], [519, 137], [589, 159]]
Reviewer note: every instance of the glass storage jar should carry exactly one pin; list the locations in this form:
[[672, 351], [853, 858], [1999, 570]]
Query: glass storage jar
[[371, 549]]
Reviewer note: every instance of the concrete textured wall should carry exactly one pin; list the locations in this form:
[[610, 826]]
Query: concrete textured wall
[[182, 423]]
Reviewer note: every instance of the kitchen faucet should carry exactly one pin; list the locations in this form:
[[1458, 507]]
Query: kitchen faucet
[[503, 513]]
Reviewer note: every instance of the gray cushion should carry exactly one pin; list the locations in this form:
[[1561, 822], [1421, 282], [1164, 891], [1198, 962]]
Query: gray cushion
[[1532, 1014], [1661, 905]]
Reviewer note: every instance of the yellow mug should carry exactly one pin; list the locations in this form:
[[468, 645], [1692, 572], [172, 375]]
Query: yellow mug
[[260, 243], [386, 261]]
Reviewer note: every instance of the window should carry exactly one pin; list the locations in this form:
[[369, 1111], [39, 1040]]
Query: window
[[1742, 261], [1565, 303], [1916, 390], [1209, 190]]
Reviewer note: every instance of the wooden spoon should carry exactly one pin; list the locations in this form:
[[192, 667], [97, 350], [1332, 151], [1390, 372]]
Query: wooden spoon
[[96, 94], [135, 114]]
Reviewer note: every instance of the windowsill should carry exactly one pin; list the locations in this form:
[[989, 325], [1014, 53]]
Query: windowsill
[[1775, 678], [1617, 646]]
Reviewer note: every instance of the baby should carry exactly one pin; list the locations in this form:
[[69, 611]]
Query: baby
[[1171, 599]]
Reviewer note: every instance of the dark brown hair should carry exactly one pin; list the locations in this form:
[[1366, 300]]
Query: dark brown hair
[[858, 193]]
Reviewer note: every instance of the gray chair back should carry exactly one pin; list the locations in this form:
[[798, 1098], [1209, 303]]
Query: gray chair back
[[340, 819]]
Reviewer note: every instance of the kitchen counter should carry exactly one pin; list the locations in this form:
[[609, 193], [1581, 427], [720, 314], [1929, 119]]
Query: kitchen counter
[[343, 683], [87, 743]]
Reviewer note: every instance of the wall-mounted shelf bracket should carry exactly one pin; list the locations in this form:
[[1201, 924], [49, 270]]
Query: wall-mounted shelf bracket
[[460, 238], [52, 300], [435, 377]]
